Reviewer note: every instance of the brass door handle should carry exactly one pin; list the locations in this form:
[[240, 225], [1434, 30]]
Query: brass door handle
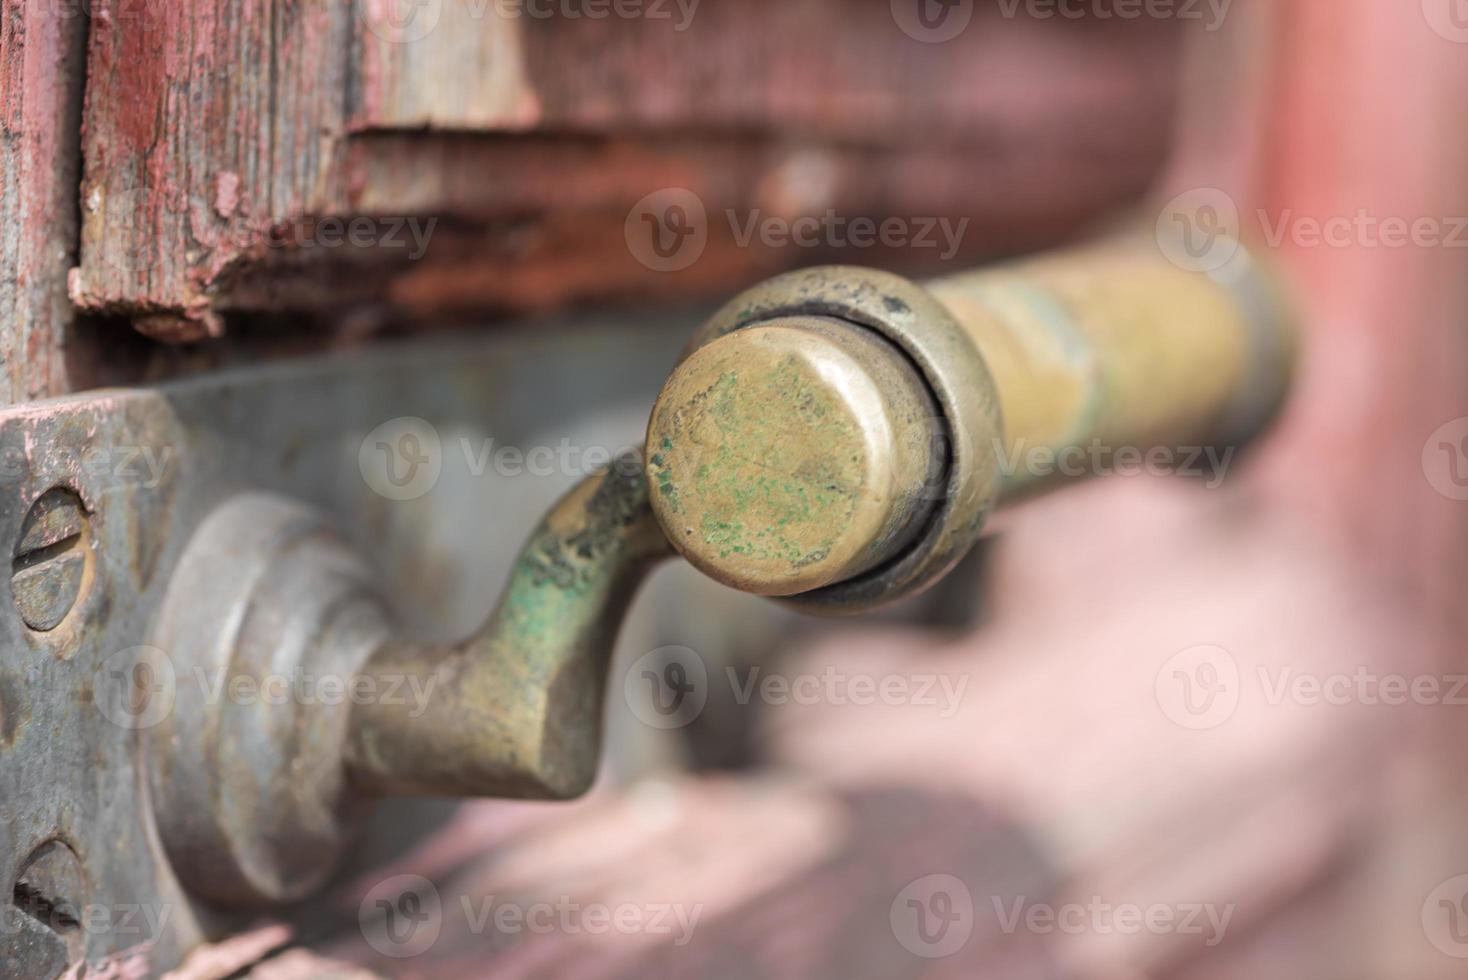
[[834, 437]]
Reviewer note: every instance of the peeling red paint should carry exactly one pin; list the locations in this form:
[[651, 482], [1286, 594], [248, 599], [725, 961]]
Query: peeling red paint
[[211, 123], [40, 83], [226, 193]]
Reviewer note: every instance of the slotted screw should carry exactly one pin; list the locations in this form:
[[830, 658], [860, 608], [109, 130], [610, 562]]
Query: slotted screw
[[49, 561]]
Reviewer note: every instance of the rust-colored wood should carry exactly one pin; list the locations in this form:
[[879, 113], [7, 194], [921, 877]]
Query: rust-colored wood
[[210, 126], [41, 48]]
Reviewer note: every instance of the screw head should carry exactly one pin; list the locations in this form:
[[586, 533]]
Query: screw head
[[42, 922], [48, 564]]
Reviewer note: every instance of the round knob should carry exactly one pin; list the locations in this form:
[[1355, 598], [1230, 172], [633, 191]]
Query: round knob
[[793, 454]]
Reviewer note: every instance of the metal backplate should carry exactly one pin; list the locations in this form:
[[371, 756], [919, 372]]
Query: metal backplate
[[80, 859]]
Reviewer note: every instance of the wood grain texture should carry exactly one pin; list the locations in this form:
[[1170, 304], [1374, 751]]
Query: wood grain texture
[[214, 130], [41, 48]]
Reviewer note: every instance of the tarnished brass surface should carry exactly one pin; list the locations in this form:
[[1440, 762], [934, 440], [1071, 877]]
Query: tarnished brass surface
[[1090, 357], [805, 449], [1113, 347], [834, 437], [517, 708], [960, 435]]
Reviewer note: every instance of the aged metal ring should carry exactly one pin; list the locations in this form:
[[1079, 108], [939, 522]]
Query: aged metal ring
[[959, 380]]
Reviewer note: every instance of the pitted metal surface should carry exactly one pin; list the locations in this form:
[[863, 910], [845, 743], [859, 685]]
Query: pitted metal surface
[[80, 703]]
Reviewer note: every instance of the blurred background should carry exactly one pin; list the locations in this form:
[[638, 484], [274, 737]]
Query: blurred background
[[1155, 727]]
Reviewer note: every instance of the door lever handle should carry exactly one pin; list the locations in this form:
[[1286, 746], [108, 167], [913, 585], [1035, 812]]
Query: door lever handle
[[833, 438]]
